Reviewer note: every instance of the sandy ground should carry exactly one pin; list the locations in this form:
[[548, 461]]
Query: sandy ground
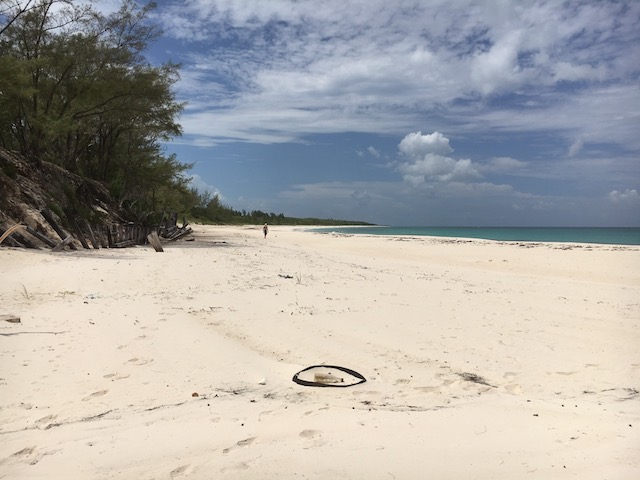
[[482, 359]]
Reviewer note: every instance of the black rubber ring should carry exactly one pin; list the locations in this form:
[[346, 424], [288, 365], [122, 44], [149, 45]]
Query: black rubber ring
[[307, 383]]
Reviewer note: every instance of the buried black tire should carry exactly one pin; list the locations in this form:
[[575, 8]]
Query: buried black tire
[[325, 377]]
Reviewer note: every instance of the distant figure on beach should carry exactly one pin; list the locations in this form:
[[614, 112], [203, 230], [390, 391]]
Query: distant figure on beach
[[265, 230]]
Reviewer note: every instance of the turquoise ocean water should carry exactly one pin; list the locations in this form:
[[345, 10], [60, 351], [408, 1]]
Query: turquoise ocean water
[[616, 236]]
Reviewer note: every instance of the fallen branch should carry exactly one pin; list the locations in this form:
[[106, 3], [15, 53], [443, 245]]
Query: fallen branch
[[63, 244], [10, 231]]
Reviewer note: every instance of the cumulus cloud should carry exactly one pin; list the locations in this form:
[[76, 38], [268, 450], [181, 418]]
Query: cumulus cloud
[[428, 160], [438, 168], [627, 196], [199, 184], [417, 145], [373, 152]]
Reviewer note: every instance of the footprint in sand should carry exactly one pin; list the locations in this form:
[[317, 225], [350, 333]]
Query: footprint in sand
[[358, 393], [427, 389], [30, 455], [514, 389], [139, 361], [313, 436], [26, 455], [24, 452], [94, 395], [181, 470], [116, 376], [241, 443], [47, 419]]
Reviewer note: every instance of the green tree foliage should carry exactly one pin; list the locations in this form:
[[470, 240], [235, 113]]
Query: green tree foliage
[[76, 90]]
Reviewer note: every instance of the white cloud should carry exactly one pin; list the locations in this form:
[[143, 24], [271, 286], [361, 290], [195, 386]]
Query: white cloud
[[498, 67], [416, 145], [428, 160], [628, 196], [337, 191], [575, 147], [433, 167], [599, 113], [373, 152], [572, 72], [368, 201], [382, 67], [199, 184]]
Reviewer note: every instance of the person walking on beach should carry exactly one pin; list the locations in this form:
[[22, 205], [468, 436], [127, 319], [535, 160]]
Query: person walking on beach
[[265, 230]]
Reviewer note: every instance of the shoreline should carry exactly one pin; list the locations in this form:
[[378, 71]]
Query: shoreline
[[457, 233], [482, 358]]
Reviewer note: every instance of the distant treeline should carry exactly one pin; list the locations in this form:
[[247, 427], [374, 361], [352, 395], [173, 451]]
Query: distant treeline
[[211, 210]]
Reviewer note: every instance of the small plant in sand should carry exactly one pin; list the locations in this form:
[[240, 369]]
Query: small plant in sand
[[25, 294], [299, 278]]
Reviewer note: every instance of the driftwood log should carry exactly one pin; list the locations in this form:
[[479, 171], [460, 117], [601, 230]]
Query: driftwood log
[[62, 244], [102, 235], [92, 237], [43, 238], [9, 231], [61, 233], [78, 232], [7, 317], [154, 240]]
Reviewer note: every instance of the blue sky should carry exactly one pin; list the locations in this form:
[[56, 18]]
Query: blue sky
[[410, 112]]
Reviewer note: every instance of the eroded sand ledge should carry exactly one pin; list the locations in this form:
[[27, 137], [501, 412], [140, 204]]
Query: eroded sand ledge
[[483, 359]]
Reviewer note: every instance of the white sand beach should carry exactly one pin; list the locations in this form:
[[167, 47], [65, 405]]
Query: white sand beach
[[483, 359]]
